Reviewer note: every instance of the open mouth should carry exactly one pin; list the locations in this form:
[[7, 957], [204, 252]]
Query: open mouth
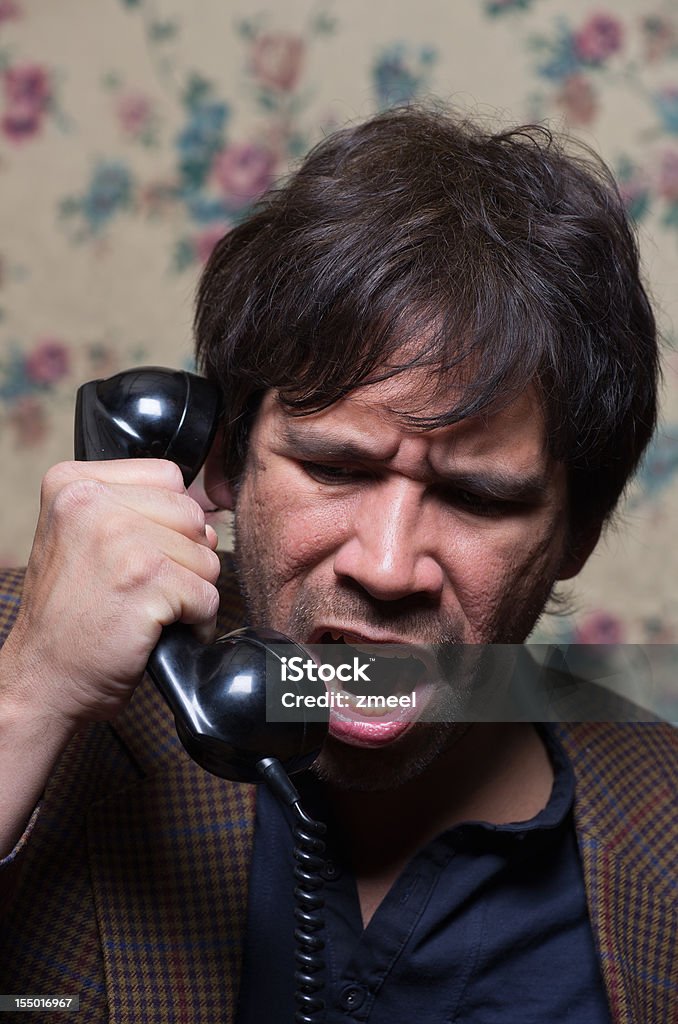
[[382, 688]]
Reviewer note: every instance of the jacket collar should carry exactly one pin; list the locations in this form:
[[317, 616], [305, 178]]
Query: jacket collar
[[169, 857], [627, 830]]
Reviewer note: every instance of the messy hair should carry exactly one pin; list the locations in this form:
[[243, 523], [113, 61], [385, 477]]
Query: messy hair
[[499, 261]]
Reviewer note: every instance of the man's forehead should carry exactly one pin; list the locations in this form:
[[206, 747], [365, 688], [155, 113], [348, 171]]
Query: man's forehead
[[381, 415]]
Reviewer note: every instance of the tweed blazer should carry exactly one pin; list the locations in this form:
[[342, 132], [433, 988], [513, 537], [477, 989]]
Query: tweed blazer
[[129, 887]]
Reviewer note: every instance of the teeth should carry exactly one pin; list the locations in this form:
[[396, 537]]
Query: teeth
[[365, 712], [367, 646]]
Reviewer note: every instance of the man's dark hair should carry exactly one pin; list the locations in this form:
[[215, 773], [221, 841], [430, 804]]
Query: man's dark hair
[[416, 238]]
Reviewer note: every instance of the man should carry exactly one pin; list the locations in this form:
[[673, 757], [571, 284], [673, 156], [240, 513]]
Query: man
[[439, 368]]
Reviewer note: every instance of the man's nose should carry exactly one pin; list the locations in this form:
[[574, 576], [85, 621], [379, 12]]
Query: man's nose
[[389, 548]]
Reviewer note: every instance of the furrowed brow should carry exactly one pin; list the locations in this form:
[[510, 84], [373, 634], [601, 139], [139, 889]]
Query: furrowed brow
[[498, 484], [494, 483], [326, 446]]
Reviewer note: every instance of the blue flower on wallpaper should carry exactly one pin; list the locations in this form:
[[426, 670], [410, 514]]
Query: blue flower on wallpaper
[[14, 379], [200, 140], [561, 55], [401, 73], [203, 209], [666, 106], [110, 190]]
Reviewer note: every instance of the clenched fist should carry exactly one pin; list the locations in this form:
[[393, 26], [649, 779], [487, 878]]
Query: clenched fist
[[120, 551]]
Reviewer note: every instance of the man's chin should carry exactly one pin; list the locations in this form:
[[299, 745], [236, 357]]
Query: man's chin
[[390, 765]]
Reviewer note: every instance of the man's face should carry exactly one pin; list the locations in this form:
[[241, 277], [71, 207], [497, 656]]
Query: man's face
[[350, 523]]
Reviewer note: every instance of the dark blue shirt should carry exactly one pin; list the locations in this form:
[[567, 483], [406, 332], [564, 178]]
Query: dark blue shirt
[[487, 924]]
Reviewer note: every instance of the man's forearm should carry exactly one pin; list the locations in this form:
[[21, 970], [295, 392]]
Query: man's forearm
[[31, 742]]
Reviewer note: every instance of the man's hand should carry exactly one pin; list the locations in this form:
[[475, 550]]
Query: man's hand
[[120, 551]]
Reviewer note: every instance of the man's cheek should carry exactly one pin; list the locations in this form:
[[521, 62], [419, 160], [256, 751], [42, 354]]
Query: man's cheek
[[300, 545], [480, 573], [311, 530]]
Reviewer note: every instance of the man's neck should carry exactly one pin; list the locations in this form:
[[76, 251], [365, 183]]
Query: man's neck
[[498, 773]]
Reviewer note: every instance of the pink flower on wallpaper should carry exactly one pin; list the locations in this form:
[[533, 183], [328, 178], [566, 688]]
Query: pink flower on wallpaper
[[28, 93], [577, 99], [17, 125], [243, 171], [27, 84], [599, 37], [277, 58], [9, 10], [48, 362], [599, 627], [135, 114], [668, 176], [27, 418], [204, 242]]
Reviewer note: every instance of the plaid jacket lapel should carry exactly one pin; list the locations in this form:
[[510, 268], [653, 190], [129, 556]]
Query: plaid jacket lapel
[[169, 864], [627, 827]]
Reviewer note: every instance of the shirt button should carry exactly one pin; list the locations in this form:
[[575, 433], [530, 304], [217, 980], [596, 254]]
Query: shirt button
[[330, 871], [352, 997]]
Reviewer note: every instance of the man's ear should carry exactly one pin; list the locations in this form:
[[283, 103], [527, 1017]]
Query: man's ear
[[578, 552], [217, 488]]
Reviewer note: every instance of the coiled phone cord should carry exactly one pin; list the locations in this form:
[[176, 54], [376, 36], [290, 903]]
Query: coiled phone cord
[[309, 860]]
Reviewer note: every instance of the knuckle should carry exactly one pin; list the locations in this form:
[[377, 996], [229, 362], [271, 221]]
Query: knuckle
[[76, 497], [140, 567], [55, 478], [212, 565], [194, 516], [170, 475]]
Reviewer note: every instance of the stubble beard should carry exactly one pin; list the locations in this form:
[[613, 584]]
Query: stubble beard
[[342, 765]]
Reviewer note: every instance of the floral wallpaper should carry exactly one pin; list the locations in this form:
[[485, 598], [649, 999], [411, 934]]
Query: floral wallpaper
[[133, 133]]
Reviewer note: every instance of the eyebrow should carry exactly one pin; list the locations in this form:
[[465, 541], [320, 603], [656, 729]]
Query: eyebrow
[[492, 483], [495, 483], [329, 445]]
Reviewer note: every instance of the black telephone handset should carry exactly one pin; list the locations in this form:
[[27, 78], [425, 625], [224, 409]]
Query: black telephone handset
[[221, 721], [218, 692]]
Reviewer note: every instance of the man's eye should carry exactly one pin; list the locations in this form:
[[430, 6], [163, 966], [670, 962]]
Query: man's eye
[[330, 474], [481, 505]]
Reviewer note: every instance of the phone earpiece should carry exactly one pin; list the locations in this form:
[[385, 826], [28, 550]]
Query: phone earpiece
[[148, 413], [217, 692]]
